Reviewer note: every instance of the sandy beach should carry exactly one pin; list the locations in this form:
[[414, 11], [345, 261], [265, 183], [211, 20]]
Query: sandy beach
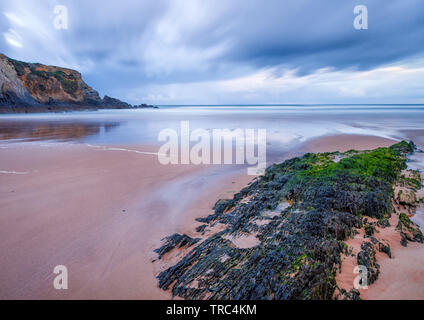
[[402, 276], [345, 142], [101, 211], [202, 150]]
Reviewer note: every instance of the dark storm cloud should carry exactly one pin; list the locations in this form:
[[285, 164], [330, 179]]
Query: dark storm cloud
[[315, 34], [158, 42]]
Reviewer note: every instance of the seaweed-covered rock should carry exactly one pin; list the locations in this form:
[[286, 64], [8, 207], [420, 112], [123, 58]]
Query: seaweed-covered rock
[[295, 260], [174, 241], [299, 213], [369, 229], [353, 294], [409, 231], [407, 197], [201, 228], [366, 257], [384, 246], [383, 223]]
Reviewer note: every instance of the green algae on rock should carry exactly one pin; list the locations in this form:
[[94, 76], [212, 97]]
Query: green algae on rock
[[298, 254]]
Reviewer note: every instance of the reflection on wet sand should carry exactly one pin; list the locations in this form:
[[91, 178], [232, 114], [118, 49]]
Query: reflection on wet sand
[[36, 131]]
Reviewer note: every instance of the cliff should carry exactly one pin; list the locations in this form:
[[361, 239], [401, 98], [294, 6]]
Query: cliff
[[33, 87]]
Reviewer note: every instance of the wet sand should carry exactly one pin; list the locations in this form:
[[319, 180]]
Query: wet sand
[[345, 142], [102, 212], [401, 276], [98, 212]]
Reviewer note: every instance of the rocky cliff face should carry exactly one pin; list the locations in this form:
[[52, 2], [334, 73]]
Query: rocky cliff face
[[26, 87]]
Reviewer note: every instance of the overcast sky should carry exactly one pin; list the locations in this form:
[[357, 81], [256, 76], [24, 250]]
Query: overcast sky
[[228, 52]]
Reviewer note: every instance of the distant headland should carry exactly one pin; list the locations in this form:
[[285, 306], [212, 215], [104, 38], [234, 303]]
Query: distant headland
[[33, 87]]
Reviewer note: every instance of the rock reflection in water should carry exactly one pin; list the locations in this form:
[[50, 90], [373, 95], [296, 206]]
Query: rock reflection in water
[[36, 131]]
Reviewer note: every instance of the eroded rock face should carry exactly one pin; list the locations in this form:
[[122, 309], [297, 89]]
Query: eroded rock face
[[407, 197], [409, 231], [296, 259], [366, 257], [32, 86], [176, 240], [300, 246], [12, 90]]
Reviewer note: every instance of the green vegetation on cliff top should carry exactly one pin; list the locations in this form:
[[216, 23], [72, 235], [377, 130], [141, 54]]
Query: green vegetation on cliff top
[[68, 82]]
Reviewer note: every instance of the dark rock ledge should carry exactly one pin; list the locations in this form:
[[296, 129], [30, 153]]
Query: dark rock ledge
[[301, 211]]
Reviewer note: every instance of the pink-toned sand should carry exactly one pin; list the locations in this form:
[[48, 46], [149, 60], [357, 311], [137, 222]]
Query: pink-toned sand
[[102, 212], [98, 212], [345, 143], [401, 277]]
